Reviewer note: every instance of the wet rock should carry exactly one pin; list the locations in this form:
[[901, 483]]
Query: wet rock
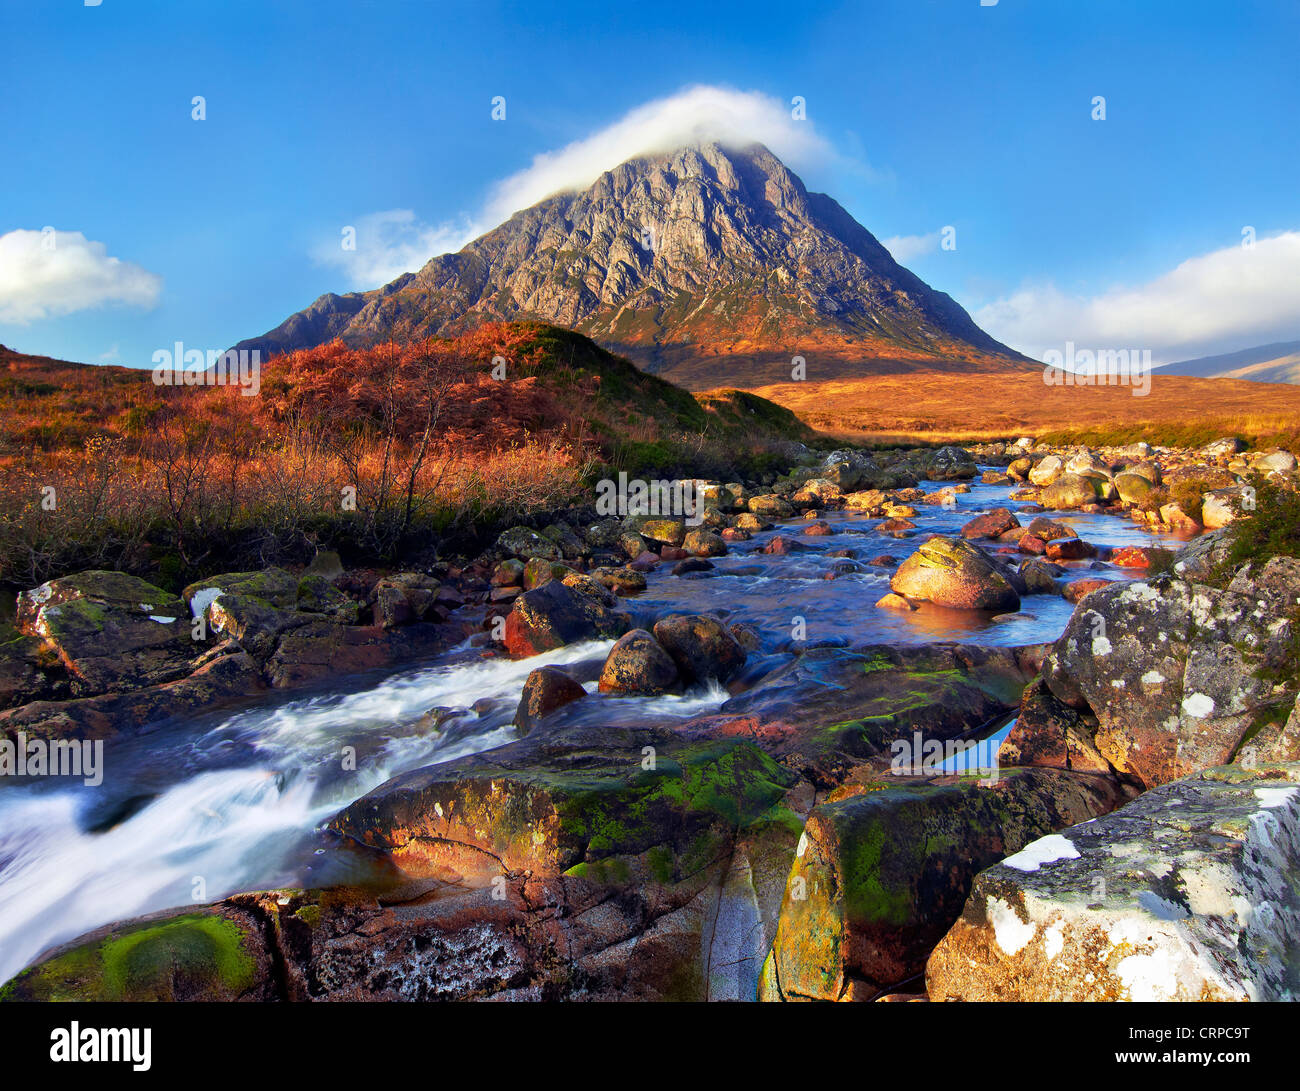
[[554, 615], [638, 665], [704, 543], [1186, 894], [1039, 576], [1049, 732], [582, 802], [953, 573], [545, 690], [700, 646], [1077, 590], [692, 565], [206, 955], [991, 524], [782, 545], [622, 581], [1069, 549], [1068, 491]]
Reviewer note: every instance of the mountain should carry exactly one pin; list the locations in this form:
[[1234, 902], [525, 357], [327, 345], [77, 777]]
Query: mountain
[[1275, 363], [708, 266]]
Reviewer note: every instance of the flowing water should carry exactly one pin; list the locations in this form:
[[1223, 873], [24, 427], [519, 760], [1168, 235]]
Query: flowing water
[[191, 812]]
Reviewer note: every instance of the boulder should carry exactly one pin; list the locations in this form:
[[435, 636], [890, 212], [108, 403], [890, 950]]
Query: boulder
[[524, 542], [111, 632], [880, 877], [1133, 488], [1046, 470], [990, 524], [700, 646], [554, 615], [545, 690], [1279, 461], [1069, 549], [1178, 673], [769, 505], [704, 543], [1186, 894], [954, 573], [1069, 491], [1221, 506], [637, 665]]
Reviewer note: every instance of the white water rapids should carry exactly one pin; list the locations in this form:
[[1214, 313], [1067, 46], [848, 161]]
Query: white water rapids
[[236, 806]]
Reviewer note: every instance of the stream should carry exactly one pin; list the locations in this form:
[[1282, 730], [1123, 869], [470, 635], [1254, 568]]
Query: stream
[[191, 812]]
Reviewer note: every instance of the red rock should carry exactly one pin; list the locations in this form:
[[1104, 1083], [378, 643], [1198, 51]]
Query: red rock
[[1074, 592], [821, 527], [1131, 557], [1032, 544], [1069, 549], [545, 690], [990, 524]]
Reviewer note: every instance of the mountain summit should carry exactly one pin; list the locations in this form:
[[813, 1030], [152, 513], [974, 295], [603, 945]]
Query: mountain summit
[[709, 266]]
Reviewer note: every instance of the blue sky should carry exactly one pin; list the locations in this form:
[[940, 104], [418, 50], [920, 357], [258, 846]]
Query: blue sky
[[920, 115]]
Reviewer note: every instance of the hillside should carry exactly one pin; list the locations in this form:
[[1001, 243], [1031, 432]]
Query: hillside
[[1275, 363], [709, 266]]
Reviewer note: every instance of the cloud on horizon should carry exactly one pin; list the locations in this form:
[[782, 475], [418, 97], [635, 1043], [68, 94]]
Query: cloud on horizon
[[391, 243], [45, 274], [1218, 302]]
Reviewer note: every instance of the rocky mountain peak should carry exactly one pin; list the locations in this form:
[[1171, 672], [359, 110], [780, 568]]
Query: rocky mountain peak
[[711, 265]]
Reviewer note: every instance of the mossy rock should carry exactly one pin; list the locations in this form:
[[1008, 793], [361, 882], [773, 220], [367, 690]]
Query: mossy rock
[[268, 587], [879, 877], [199, 956], [593, 803]]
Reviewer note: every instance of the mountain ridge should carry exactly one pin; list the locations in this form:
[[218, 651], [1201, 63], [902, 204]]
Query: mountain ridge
[[710, 266]]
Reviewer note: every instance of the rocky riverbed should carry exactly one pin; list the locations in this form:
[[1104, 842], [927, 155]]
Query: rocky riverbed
[[717, 758]]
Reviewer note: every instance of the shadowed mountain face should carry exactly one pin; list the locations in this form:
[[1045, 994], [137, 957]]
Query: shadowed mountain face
[[709, 266]]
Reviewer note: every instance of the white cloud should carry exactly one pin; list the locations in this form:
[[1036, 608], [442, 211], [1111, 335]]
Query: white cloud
[[1227, 299], [696, 115], [391, 243], [49, 273], [905, 248], [395, 242]]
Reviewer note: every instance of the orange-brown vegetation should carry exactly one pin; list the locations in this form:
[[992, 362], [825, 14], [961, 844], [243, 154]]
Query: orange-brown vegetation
[[378, 452], [942, 406]]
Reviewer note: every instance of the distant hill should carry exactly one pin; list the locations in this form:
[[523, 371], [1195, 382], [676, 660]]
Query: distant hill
[[709, 266], [1276, 363]]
